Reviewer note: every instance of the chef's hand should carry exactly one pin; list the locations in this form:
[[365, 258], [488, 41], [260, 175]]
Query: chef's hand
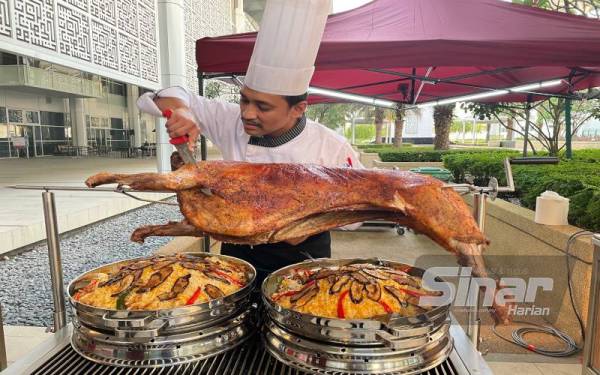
[[296, 241], [181, 121]]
